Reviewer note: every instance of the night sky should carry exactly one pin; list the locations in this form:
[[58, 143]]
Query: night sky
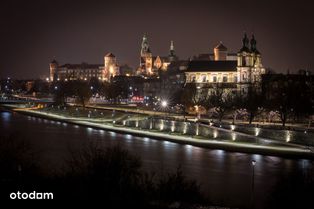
[[35, 32]]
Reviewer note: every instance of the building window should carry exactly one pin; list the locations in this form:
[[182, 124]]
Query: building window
[[193, 78], [203, 78], [244, 76], [224, 79], [214, 79], [235, 79]]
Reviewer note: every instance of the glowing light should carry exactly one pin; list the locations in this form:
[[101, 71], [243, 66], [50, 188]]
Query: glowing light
[[162, 125], [112, 133], [124, 122], [232, 127], [233, 135], [189, 148], [257, 131], [151, 124], [288, 136], [136, 124], [111, 69], [220, 152], [215, 134], [256, 157], [164, 103], [253, 162], [66, 79], [185, 128], [197, 130], [47, 79], [172, 126]]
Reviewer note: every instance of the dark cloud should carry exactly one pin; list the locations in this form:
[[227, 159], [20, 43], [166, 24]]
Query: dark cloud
[[34, 32]]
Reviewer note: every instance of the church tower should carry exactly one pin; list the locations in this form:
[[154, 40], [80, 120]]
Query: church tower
[[146, 60], [172, 56], [244, 61], [145, 50], [249, 63]]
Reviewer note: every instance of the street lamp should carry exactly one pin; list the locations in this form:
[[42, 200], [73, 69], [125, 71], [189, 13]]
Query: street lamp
[[252, 192], [164, 104]]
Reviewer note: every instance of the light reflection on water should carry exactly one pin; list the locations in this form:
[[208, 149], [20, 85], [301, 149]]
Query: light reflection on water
[[5, 116]]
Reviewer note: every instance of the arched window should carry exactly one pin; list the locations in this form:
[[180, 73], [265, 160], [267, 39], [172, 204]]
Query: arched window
[[203, 78]]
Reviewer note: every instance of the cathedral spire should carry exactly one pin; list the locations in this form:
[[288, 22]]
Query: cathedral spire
[[145, 46], [172, 56], [171, 46], [171, 51]]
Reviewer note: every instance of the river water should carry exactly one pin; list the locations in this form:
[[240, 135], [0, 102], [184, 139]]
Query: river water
[[225, 177]]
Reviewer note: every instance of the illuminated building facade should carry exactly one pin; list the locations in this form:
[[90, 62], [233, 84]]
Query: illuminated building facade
[[245, 67], [85, 71]]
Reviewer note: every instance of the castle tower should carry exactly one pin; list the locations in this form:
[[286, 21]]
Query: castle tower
[[111, 68], [53, 70], [220, 52]]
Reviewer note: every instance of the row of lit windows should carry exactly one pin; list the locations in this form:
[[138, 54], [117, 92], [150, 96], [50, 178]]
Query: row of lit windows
[[83, 71], [214, 78]]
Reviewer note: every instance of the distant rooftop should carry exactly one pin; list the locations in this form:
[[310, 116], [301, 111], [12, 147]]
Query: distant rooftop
[[204, 65]]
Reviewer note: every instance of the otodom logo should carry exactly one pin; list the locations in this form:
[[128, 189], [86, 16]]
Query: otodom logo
[[32, 195]]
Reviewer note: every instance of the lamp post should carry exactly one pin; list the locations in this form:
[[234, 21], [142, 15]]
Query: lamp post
[[252, 191], [164, 104]]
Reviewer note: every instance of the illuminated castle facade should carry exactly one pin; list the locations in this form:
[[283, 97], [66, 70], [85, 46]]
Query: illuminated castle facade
[[149, 64], [85, 71]]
